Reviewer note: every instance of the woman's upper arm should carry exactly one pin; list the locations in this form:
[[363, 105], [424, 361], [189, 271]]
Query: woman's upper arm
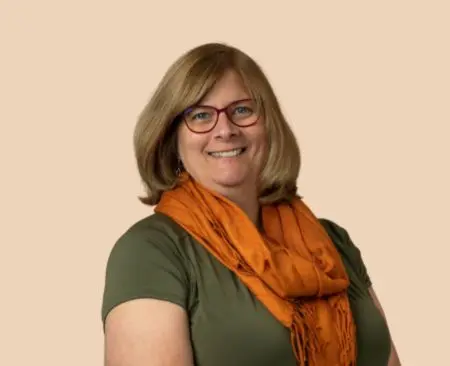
[[145, 301], [394, 360], [147, 332]]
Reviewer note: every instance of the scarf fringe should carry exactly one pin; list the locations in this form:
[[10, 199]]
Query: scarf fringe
[[309, 348], [346, 331], [304, 338]]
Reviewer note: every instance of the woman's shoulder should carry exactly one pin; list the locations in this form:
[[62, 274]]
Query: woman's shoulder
[[349, 251], [340, 237], [154, 228], [333, 229], [155, 237], [153, 224]]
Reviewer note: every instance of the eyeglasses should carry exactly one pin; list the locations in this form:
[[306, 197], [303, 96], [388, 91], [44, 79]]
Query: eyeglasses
[[203, 118]]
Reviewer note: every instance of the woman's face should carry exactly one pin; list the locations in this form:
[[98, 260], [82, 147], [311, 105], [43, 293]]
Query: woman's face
[[204, 154]]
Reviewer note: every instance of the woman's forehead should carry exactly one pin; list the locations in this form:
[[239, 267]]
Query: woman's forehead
[[227, 89]]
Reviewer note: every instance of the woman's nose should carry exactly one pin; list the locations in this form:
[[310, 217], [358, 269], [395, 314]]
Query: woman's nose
[[225, 128]]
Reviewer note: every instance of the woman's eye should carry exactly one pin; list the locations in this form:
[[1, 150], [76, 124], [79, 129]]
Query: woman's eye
[[242, 110], [202, 115]]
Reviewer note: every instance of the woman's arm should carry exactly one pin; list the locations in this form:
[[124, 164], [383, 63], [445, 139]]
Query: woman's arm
[[147, 332], [393, 359]]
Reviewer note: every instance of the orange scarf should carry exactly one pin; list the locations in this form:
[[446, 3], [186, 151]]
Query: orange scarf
[[293, 268]]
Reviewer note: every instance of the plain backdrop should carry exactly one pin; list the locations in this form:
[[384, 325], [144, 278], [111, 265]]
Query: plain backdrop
[[365, 86]]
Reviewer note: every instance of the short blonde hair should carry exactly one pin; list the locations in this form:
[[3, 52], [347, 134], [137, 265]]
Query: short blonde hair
[[186, 83]]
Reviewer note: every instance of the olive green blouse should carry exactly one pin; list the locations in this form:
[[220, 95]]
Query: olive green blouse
[[156, 258]]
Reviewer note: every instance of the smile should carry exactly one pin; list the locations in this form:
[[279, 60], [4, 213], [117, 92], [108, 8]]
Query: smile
[[227, 154]]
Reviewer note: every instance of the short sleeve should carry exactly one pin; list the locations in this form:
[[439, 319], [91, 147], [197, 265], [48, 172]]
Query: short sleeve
[[145, 262], [348, 249]]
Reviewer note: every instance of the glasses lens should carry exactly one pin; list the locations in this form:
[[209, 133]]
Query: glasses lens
[[242, 113], [200, 118]]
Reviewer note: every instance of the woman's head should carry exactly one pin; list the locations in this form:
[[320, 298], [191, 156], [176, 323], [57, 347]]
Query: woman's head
[[214, 99]]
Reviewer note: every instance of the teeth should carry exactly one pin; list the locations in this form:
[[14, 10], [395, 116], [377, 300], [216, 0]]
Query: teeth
[[227, 154]]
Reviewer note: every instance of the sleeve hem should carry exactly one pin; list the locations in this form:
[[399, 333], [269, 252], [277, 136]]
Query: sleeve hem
[[164, 297]]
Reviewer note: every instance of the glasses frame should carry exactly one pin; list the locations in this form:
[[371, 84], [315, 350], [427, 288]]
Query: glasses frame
[[218, 112]]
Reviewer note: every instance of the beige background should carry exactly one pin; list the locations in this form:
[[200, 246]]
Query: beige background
[[365, 85]]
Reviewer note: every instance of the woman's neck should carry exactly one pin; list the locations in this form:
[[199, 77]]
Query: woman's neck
[[249, 203], [245, 197]]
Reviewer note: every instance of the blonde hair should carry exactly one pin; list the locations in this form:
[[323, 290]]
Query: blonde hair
[[186, 83]]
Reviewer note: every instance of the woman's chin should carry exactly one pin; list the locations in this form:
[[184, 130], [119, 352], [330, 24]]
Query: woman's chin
[[231, 180]]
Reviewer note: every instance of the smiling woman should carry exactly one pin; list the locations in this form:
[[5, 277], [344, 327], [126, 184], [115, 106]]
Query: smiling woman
[[233, 268], [225, 151]]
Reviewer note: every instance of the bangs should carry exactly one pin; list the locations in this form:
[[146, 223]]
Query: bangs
[[253, 88], [201, 79], [204, 73]]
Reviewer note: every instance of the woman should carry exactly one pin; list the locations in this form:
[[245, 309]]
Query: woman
[[232, 268]]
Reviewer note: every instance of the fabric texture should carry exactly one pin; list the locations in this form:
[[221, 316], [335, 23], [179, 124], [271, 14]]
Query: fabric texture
[[293, 268]]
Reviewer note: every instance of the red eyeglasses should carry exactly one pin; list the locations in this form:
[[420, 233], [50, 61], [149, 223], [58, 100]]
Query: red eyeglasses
[[203, 118]]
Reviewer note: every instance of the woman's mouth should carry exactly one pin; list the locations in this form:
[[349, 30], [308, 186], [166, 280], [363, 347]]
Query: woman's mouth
[[228, 153]]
